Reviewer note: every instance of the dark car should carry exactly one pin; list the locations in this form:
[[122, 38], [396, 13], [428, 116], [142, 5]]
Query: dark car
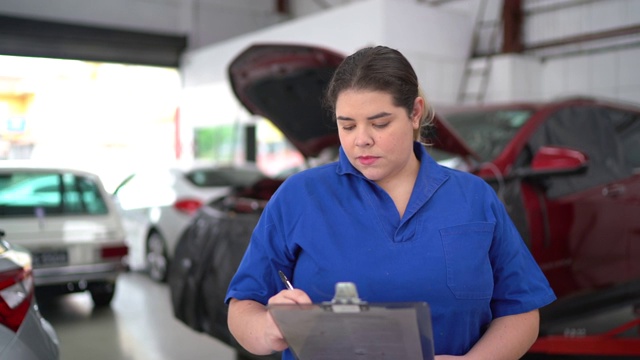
[[568, 172], [24, 333]]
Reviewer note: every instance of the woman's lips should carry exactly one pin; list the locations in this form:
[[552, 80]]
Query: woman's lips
[[367, 160]]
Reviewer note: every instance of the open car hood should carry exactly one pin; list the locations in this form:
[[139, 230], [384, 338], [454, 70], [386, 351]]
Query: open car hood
[[286, 83]]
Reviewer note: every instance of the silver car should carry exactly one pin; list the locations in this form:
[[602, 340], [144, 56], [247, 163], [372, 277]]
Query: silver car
[[68, 222], [24, 333], [157, 204]]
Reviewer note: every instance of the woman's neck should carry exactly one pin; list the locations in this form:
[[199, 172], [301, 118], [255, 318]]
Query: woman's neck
[[400, 186]]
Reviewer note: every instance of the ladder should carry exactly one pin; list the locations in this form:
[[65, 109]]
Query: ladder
[[477, 68]]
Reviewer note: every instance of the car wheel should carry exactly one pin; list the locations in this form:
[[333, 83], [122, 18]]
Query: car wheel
[[102, 293], [157, 261]]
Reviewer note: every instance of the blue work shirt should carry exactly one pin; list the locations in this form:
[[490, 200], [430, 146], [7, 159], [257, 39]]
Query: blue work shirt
[[455, 248]]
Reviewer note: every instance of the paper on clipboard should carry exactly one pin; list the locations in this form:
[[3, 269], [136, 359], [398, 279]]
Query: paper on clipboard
[[384, 331]]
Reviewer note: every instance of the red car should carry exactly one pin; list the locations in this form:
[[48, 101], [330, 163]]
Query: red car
[[568, 172]]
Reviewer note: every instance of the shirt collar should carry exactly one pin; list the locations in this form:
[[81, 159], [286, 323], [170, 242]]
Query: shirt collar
[[344, 165], [431, 175]]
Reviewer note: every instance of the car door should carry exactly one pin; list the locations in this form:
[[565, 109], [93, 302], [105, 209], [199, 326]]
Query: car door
[[134, 198], [627, 126], [588, 219]]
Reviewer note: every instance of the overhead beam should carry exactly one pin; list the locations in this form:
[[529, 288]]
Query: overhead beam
[[38, 38]]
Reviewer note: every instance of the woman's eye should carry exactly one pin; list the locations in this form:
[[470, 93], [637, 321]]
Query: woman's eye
[[380, 126], [347, 128]]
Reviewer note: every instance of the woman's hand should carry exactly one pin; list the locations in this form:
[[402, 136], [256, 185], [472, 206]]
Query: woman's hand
[[252, 325], [507, 338], [272, 334], [295, 296]]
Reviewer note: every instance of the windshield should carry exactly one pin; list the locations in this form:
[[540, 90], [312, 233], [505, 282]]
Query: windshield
[[224, 177], [28, 193], [487, 132]]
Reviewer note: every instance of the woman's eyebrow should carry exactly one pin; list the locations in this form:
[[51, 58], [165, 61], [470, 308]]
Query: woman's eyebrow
[[372, 117], [378, 115]]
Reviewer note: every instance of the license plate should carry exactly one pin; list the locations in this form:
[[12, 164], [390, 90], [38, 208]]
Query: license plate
[[47, 258]]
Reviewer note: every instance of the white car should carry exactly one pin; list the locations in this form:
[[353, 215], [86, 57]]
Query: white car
[[157, 204], [68, 222], [24, 333]]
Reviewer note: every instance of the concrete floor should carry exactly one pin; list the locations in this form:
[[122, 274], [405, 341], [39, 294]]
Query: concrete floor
[[139, 325]]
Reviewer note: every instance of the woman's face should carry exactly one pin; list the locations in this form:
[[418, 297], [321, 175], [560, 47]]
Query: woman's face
[[375, 134]]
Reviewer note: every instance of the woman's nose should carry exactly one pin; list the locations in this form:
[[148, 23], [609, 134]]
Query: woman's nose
[[363, 138]]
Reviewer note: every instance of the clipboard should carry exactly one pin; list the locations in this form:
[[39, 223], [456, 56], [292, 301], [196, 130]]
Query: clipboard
[[348, 328]]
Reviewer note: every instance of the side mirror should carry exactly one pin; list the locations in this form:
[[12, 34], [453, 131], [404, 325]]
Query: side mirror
[[555, 160]]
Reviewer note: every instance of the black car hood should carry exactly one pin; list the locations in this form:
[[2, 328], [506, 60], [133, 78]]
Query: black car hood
[[285, 83]]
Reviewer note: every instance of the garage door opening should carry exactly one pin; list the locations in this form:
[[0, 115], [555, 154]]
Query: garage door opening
[[104, 117]]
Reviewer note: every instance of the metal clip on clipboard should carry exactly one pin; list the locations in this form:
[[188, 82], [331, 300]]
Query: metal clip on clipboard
[[346, 299]]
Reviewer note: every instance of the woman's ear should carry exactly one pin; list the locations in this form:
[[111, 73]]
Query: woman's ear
[[418, 112]]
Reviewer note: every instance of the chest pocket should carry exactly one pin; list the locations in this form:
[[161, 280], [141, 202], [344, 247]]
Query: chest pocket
[[466, 251]]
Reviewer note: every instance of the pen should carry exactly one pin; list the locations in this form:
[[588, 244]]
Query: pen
[[285, 280]]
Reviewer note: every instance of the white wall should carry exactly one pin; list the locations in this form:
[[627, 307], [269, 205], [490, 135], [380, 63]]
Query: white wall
[[585, 17], [300, 8], [614, 75], [611, 72], [515, 77], [435, 40]]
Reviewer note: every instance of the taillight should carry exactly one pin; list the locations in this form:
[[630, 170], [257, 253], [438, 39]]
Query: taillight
[[114, 251], [16, 292], [188, 206]]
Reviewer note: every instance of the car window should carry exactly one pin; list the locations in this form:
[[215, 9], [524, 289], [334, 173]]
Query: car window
[[488, 132], [146, 189], [223, 177], [447, 159], [591, 130], [34, 193], [82, 195], [627, 126]]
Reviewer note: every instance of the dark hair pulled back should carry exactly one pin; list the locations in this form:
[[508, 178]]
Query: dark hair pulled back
[[378, 68]]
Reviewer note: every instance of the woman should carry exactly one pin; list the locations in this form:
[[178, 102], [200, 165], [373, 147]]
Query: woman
[[388, 218]]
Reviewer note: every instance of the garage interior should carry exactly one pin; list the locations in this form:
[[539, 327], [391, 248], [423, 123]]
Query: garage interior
[[465, 51]]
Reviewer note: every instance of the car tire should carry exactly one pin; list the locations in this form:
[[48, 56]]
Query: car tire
[[157, 260], [102, 293]]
